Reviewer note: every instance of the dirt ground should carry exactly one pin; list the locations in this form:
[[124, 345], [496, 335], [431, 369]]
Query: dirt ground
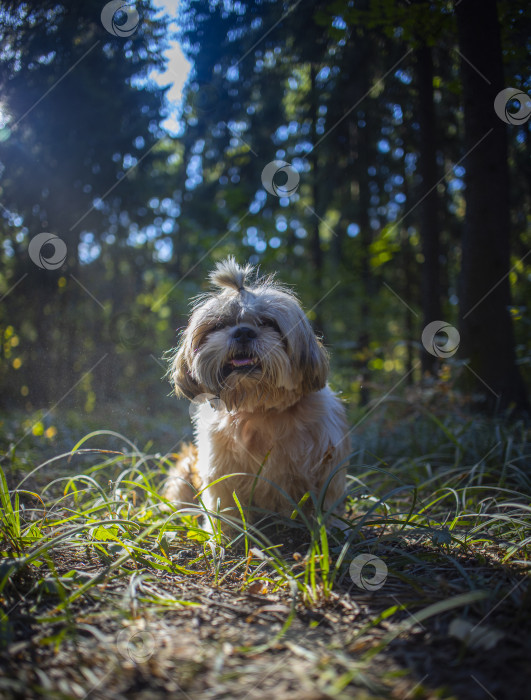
[[132, 640]]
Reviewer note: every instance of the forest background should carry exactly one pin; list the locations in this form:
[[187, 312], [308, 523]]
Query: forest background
[[408, 199]]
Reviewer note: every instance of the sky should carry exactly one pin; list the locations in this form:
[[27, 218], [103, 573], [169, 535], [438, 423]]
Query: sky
[[177, 70]]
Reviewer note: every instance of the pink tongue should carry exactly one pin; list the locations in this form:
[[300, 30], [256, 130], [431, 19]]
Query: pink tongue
[[243, 362]]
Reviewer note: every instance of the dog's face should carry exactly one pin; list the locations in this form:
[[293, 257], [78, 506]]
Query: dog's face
[[250, 344]]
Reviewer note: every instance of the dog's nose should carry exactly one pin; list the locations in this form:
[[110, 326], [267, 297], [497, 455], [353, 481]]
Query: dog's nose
[[243, 334]]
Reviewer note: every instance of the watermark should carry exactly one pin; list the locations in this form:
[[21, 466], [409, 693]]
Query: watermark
[[40, 251], [128, 330], [269, 173], [205, 409], [518, 100], [204, 97], [434, 341], [116, 10], [361, 580], [137, 646]]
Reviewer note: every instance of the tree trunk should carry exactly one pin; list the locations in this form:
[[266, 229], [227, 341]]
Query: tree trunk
[[315, 241], [409, 287], [429, 224], [365, 273], [487, 338]]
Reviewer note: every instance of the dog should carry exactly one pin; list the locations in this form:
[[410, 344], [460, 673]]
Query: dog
[[263, 414]]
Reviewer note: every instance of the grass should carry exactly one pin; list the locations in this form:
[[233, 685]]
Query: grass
[[107, 591]]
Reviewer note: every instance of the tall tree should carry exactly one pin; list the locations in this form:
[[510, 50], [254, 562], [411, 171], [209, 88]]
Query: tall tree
[[486, 328], [82, 126], [428, 197]]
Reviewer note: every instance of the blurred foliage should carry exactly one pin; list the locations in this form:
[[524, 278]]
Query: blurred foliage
[[329, 87]]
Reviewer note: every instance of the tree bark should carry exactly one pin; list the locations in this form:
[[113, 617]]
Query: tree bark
[[315, 241], [429, 220], [487, 338], [365, 273]]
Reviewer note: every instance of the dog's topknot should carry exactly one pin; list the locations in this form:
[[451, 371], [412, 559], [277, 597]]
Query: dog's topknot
[[228, 273]]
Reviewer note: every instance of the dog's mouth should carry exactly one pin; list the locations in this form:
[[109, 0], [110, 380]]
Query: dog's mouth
[[238, 362], [241, 363]]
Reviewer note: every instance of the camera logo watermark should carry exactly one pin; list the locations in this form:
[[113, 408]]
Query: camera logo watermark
[[137, 646], [128, 331], [269, 173], [361, 579], [507, 97], [205, 97], [434, 341], [109, 15], [47, 260]]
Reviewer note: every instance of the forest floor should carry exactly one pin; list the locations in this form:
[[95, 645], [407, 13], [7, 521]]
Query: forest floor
[[105, 595]]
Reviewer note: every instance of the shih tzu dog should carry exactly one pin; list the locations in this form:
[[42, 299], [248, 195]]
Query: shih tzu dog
[[264, 415]]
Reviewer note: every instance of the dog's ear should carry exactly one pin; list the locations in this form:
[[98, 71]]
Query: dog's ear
[[314, 365], [310, 356], [181, 378]]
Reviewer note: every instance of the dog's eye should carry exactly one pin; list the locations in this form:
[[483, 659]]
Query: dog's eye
[[269, 323], [219, 325]]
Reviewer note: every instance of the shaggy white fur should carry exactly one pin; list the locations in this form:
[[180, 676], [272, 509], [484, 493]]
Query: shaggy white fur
[[251, 362]]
